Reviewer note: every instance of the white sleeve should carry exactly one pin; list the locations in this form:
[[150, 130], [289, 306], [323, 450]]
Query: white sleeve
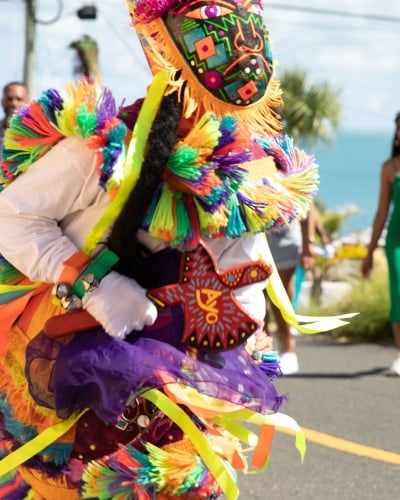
[[34, 206], [238, 251]]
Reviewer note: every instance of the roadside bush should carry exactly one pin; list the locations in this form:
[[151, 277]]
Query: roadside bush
[[368, 297]]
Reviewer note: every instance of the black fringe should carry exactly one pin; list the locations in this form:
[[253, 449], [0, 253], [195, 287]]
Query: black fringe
[[123, 238]]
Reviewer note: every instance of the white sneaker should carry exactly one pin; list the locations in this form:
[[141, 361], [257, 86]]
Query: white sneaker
[[289, 363], [394, 370]]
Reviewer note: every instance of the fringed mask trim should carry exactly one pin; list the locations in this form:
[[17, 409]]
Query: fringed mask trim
[[218, 56]]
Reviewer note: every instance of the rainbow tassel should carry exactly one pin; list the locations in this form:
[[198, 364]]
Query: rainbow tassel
[[205, 135], [102, 482], [189, 167], [86, 111], [128, 473]]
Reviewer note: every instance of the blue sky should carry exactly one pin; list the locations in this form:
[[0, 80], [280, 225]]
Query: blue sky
[[358, 57]]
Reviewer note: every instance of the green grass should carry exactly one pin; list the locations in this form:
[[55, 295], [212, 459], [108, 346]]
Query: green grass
[[368, 297]]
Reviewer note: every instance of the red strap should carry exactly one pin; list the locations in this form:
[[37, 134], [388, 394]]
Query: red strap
[[70, 322]]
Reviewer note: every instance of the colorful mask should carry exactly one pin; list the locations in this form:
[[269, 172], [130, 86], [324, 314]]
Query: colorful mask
[[216, 52], [226, 46]]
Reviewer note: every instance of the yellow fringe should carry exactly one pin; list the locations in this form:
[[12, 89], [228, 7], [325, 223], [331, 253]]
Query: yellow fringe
[[46, 487], [203, 136], [13, 383], [12, 375]]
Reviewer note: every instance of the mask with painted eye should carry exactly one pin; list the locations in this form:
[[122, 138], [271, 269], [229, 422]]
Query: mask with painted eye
[[225, 45], [217, 51]]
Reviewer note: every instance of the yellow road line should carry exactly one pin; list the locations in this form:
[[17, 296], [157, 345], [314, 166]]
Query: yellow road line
[[347, 446]]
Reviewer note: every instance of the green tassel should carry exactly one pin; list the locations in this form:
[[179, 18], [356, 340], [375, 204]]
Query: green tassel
[[86, 122], [235, 226], [183, 225], [163, 219], [183, 163]]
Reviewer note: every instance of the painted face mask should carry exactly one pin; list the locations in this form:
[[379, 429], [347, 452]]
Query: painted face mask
[[225, 45], [217, 55]]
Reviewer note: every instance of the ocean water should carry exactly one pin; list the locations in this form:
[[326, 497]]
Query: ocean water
[[350, 174]]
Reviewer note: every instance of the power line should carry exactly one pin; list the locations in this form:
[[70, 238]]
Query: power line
[[340, 13], [390, 32]]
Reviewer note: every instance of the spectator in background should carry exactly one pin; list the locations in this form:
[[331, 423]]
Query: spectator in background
[[291, 246], [15, 95], [389, 195]]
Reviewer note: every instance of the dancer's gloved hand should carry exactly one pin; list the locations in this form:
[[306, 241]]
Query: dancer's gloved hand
[[120, 305]]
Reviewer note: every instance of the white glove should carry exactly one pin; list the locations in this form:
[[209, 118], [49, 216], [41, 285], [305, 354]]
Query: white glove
[[120, 305]]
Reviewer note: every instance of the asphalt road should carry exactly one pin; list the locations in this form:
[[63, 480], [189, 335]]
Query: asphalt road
[[340, 391]]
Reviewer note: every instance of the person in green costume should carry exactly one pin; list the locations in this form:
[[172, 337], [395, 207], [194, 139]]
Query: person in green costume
[[389, 196]]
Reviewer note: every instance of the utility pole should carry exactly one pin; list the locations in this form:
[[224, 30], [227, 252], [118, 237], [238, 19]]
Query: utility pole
[[30, 44], [85, 12]]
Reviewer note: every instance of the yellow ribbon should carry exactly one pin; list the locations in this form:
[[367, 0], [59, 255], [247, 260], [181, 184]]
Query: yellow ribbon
[[277, 293], [278, 420], [215, 464], [133, 160], [37, 444], [227, 414]]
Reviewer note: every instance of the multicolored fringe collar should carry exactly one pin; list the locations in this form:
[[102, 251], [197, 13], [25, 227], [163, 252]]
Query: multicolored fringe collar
[[87, 111], [219, 181]]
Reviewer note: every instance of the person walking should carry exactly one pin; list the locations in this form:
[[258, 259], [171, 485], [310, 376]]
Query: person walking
[[291, 246], [389, 197]]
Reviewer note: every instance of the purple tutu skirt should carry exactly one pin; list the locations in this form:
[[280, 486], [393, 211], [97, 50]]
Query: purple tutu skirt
[[93, 370]]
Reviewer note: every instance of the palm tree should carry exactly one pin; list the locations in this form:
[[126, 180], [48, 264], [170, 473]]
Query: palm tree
[[310, 113]]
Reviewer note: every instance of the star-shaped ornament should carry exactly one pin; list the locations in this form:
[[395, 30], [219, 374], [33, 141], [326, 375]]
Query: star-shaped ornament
[[214, 320]]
